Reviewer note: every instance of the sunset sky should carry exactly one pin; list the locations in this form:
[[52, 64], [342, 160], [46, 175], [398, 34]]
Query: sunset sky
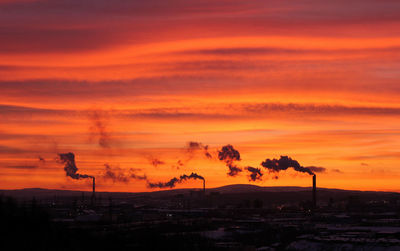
[[128, 83]]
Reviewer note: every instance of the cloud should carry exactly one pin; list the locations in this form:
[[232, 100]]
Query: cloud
[[10, 110], [54, 39], [216, 112], [22, 166], [319, 109], [49, 27], [12, 150], [257, 51], [378, 155]]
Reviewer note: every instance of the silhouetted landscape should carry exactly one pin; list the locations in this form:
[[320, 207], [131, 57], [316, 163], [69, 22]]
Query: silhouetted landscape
[[233, 217]]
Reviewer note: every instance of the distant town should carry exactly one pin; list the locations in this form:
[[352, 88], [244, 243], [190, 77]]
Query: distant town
[[234, 217]]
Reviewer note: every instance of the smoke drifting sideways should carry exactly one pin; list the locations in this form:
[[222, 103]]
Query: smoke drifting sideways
[[70, 167], [255, 173], [285, 162], [117, 174], [194, 146], [229, 155], [317, 169], [172, 182]]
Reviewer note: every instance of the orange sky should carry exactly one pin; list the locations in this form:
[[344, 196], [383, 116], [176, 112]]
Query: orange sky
[[126, 82]]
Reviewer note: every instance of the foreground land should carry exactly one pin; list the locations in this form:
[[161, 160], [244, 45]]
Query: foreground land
[[237, 217]]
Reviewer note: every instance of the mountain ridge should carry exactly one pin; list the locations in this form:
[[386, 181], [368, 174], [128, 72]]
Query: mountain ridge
[[227, 189]]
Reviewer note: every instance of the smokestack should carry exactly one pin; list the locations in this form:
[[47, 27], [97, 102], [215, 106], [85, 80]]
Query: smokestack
[[314, 191], [94, 190], [204, 187]]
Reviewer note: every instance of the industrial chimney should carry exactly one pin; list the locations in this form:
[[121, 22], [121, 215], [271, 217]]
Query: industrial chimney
[[204, 186], [314, 191], [94, 190]]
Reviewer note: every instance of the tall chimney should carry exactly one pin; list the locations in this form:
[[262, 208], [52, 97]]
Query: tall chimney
[[204, 186], [314, 191], [94, 190]]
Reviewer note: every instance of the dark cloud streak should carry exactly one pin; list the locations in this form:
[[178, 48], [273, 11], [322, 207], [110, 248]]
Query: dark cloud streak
[[240, 111], [22, 167]]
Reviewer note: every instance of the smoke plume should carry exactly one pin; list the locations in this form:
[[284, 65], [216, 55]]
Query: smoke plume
[[191, 176], [99, 129], [317, 169], [156, 162], [134, 176], [285, 162], [117, 174], [41, 159], [70, 167], [172, 182], [229, 155], [194, 146], [336, 171], [178, 164], [255, 173]]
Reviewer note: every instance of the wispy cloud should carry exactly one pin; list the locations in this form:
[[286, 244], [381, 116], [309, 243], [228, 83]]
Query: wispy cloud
[[22, 167]]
